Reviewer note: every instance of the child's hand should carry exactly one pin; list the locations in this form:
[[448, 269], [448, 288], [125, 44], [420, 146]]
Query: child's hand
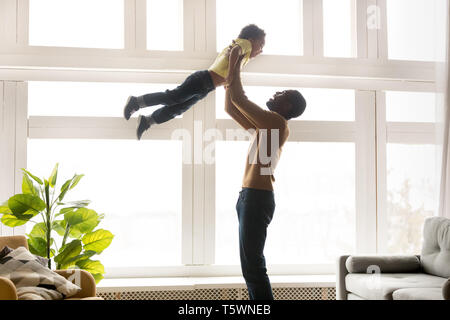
[[229, 48]]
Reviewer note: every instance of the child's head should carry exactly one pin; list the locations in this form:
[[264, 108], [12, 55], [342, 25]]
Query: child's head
[[256, 36]]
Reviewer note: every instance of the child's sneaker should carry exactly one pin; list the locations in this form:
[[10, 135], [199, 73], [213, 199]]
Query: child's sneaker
[[144, 123], [130, 107]]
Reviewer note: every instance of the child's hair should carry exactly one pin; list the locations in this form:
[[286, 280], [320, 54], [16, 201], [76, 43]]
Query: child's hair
[[252, 31]]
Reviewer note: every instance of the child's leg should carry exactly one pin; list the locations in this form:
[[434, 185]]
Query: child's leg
[[164, 114], [198, 83], [167, 113], [192, 86]]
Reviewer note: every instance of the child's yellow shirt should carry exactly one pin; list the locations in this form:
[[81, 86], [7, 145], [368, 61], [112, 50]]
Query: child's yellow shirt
[[220, 65]]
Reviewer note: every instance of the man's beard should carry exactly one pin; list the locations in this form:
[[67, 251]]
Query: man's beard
[[270, 104]]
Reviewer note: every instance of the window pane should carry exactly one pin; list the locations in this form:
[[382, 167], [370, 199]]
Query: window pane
[[229, 174], [165, 24], [305, 228], [411, 195], [93, 99], [321, 104], [339, 28], [412, 28], [410, 106], [128, 183], [281, 20], [77, 23]]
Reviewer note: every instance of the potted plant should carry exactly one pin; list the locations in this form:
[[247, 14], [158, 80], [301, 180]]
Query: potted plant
[[73, 221]]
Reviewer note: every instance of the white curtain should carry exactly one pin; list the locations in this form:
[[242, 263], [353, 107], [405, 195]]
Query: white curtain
[[443, 124]]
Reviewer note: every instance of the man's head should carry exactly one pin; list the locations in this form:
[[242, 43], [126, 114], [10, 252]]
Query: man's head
[[256, 36], [288, 103]]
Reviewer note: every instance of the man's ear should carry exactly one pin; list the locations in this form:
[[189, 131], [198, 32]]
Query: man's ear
[[287, 107]]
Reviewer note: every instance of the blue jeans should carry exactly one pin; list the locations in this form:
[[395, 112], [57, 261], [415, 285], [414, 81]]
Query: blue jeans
[[179, 100], [255, 210]]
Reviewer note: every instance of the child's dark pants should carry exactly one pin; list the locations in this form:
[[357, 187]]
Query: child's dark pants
[[179, 100]]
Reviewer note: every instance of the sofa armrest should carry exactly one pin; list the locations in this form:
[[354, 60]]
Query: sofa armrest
[[7, 289], [81, 278], [446, 290], [341, 272], [383, 264]]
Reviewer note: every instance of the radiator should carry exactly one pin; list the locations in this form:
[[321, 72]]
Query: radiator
[[280, 293]]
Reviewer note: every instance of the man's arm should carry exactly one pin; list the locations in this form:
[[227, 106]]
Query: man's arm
[[234, 113], [256, 115]]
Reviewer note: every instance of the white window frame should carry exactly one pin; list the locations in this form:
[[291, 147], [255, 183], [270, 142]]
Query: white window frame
[[369, 74]]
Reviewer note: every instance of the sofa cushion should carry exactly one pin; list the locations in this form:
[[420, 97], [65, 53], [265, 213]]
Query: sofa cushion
[[383, 264], [23, 269], [381, 286], [6, 250], [418, 294], [435, 257], [352, 296]]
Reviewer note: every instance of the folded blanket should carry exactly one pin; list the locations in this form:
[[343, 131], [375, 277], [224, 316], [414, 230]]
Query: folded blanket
[[32, 280]]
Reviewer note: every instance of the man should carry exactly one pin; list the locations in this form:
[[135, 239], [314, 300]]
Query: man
[[256, 204]]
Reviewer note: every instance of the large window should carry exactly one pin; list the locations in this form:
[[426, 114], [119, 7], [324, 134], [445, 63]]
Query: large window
[[77, 23], [322, 104], [314, 219], [357, 175], [165, 24], [339, 28], [86, 99], [124, 179], [281, 38], [413, 29], [411, 106], [411, 195]]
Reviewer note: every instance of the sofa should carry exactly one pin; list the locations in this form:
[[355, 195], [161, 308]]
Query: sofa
[[400, 277], [8, 290]]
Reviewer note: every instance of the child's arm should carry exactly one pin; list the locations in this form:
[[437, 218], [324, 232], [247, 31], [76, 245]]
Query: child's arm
[[234, 54]]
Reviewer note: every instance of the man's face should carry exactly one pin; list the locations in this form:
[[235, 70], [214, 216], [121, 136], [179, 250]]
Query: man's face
[[280, 102], [257, 46]]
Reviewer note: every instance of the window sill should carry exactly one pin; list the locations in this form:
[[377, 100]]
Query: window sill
[[193, 283]]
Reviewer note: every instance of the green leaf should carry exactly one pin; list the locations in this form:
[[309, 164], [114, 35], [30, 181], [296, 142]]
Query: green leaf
[[39, 231], [37, 246], [77, 204], [46, 192], [33, 177], [4, 209], [94, 267], [25, 206], [59, 226], [75, 233], [28, 186], [53, 176], [98, 277], [64, 189], [69, 251], [72, 262], [98, 240], [12, 221], [64, 211], [84, 220], [76, 179]]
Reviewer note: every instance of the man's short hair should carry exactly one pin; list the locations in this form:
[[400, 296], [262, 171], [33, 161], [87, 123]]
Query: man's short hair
[[298, 103], [252, 31]]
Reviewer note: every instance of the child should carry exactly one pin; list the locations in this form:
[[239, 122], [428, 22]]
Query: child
[[249, 44]]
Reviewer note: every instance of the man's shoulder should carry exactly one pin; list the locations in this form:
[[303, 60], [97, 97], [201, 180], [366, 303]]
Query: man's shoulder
[[278, 120]]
